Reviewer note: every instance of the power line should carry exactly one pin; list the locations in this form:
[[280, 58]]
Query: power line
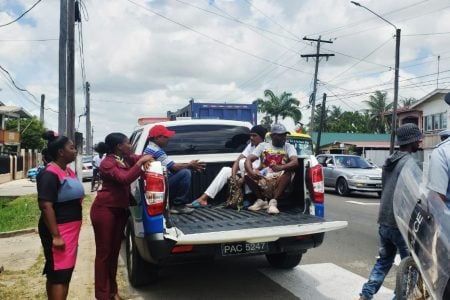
[[272, 20], [15, 85], [358, 62], [30, 40], [431, 33], [353, 24], [255, 31], [216, 40], [234, 19], [396, 21], [17, 19]]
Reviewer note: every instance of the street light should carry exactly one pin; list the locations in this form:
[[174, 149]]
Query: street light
[[397, 65]]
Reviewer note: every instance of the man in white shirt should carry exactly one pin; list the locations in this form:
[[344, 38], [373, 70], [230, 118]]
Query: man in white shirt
[[257, 134], [278, 163], [96, 160]]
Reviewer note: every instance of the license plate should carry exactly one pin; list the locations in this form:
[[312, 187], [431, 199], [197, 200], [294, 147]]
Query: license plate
[[243, 248]]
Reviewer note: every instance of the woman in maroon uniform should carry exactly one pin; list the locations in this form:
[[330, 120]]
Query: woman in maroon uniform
[[59, 194], [109, 212]]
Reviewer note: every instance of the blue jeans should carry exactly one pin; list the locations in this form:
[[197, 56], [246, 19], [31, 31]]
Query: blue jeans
[[179, 184], [391, 240]]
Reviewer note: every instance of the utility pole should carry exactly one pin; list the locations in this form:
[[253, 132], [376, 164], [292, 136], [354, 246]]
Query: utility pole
[[394, 109], [42, 108], [71, 70], [62, 105], [88, 120], [322, 122], [397, 66], [317, 57]]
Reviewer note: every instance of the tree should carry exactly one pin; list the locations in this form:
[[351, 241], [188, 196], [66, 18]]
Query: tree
[[267, 122], [31, 130], [378, 107], [283, 106], [407, 102]]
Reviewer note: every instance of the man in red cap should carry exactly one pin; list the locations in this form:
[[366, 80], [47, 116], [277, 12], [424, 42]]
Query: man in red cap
[[179, 173]]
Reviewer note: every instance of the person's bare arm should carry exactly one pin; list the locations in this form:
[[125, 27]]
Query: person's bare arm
[[235, 167], [195, 165], [50, 220], [290, 166], [249, 167]]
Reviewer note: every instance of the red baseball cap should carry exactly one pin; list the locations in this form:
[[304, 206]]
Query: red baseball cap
[[160, 130]]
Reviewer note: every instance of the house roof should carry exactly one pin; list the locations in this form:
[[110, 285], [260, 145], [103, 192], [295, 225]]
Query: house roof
[[14, 111], [362, 139], [429, 95]]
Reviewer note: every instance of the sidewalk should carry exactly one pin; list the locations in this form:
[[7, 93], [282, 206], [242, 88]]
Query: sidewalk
[[18, 187], [20, 252]]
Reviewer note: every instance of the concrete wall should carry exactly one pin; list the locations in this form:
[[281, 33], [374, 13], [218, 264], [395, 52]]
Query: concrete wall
[[31, 158]]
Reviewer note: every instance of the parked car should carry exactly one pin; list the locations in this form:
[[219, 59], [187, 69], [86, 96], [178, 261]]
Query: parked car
[[32, 173], [347, 173], [155, 237], [87, 167]]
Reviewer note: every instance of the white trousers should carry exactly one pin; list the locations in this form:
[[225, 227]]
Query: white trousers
[[221, 179]]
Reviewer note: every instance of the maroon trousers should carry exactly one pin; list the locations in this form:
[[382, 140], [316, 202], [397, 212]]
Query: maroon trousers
[[109, 224]]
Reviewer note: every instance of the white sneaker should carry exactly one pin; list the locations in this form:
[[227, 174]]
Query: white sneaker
[[258, 205], [272, 209]]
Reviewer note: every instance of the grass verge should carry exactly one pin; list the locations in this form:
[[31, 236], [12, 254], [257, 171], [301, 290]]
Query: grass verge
[[18, 213], [23, 212]]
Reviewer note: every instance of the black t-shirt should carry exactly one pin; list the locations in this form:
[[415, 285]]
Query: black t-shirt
[[64, 190]]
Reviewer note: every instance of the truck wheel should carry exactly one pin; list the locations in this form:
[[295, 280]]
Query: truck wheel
[[140, 272], [342, 187], [284, 260]]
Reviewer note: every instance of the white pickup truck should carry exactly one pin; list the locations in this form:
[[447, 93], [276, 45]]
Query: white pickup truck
[[156, 238]]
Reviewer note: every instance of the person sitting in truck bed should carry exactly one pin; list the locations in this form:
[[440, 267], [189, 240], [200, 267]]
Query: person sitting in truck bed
[[257, 134], [277, 169], [179, 173]]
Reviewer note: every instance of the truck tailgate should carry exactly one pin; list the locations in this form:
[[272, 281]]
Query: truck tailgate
[[208, 226]]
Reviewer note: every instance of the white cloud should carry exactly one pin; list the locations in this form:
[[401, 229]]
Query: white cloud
[[140, 64]]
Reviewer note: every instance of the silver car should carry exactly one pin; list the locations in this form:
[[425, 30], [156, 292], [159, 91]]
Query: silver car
[[347, 173]]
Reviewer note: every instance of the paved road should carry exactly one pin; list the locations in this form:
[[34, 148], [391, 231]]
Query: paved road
[[335, 270]]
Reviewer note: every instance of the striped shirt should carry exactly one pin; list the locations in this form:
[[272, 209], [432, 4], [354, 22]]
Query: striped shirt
[[159, 154]]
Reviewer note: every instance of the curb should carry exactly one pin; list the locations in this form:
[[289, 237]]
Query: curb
[[17, 232]]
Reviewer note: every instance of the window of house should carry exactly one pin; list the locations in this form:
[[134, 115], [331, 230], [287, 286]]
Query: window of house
[[435, 122]]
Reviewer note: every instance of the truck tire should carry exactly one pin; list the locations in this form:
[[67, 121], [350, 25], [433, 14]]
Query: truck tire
[[284, 260], [140, 272]]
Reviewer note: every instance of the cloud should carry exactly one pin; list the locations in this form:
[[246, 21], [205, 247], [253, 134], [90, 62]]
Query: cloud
[[142, 64]]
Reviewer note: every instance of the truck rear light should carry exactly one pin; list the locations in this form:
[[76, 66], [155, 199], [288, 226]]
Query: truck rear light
[[182, 248], [155, 190], [317, 185]]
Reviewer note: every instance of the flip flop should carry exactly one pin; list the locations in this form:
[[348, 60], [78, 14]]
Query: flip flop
[[197, 204]]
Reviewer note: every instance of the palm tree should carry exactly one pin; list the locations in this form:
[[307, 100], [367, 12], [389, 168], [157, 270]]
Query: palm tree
[[378, 107], [283, 106], [407, 102], [267, 122]]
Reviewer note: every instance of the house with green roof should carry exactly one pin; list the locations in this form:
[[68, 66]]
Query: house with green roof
[[338, 142]]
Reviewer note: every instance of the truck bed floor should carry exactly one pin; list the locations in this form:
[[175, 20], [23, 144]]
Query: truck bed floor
[[221, 219]]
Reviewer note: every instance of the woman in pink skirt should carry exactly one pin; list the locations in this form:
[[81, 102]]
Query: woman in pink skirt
[[59, 194]]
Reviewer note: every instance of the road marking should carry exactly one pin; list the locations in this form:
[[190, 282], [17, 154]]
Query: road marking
[[363, 203], [322, 282], [397, 259]]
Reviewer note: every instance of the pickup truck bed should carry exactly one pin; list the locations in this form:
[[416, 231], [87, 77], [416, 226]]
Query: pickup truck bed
[[204, 220]]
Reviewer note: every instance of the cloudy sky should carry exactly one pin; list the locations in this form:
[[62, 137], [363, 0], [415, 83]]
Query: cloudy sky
[[143, 58]]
